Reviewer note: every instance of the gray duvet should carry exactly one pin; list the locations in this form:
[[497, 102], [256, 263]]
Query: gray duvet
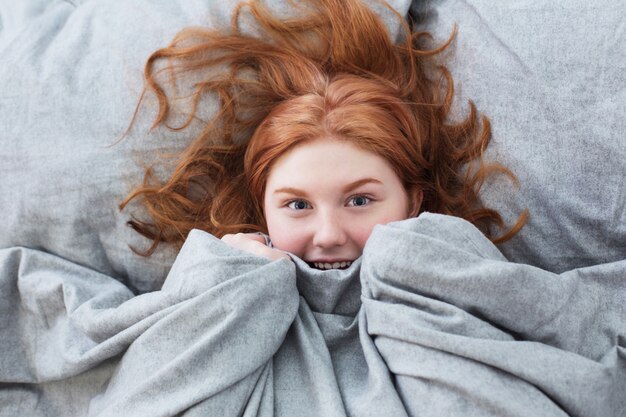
[[431, 321]]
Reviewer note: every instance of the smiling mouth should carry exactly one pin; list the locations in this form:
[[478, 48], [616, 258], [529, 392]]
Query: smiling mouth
[[330, 265]]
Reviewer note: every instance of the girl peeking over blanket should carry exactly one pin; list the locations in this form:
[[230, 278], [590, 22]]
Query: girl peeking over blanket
[[326, 127]]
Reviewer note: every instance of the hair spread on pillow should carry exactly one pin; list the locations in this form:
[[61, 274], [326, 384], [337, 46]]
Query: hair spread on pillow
[[329, 70]]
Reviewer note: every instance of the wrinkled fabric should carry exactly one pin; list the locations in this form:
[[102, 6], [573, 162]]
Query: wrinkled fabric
[[551, 78], [431, 320]]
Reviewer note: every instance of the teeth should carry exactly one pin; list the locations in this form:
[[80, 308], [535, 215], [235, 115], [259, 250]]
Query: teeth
[[335, 265]]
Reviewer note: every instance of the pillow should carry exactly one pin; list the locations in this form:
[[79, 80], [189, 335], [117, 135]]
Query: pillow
[[551, 77], [70, 78]]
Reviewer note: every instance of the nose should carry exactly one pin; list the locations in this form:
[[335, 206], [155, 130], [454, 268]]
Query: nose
[[329, 232]]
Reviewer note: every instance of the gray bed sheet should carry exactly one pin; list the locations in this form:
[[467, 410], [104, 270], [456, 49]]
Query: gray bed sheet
[[431, 321], [550, 75]]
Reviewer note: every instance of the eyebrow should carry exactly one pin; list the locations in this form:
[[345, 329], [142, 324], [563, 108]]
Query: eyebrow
[[353, 185]]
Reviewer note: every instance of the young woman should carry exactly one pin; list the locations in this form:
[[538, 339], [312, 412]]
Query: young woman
[[326, 128]]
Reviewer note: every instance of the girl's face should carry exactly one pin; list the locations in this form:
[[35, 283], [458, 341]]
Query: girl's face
[[324, 197]]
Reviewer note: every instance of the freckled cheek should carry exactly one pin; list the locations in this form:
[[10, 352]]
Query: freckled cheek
[[286, 237], [361, 233]]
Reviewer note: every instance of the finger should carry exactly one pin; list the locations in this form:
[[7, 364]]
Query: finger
[[272, 253], [256, 237], [243, 237], [255, 244]]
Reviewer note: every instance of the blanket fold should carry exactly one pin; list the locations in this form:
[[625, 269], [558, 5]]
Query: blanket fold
[[447, 310], [431, 320], [69, 319]]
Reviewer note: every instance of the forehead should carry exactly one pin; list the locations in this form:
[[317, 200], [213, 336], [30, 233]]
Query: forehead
[[338, 161]]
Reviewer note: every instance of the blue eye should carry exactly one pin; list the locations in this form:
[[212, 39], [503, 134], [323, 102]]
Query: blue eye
[[298, 205], [359, 200]]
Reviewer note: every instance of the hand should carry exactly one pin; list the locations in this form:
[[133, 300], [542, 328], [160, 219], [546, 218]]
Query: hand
[[255, 244]]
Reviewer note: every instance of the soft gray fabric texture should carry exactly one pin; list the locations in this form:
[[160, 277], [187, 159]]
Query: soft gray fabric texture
[[431, 320], [551, 76]]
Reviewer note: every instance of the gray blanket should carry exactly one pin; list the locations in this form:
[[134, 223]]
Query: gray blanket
[[431, 321]]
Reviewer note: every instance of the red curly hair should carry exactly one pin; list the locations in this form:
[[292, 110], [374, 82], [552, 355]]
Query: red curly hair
[[333, 71]]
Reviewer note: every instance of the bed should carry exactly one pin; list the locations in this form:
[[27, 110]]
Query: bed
[[435, 320]]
